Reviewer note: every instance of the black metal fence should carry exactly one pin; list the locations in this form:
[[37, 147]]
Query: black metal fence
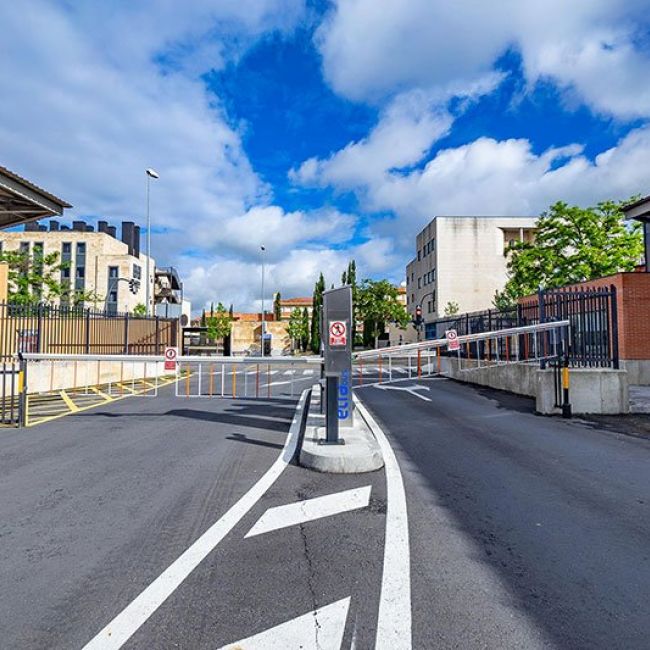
[[593, 333], [77, 330]]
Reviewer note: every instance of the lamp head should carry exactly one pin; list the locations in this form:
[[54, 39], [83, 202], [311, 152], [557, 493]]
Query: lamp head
[[152, 172]]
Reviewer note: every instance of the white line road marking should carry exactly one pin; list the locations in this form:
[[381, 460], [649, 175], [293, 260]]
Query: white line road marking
[[321, 629], [130, 619], [308, 373], [394, 619], [407, 389], [310, 509]]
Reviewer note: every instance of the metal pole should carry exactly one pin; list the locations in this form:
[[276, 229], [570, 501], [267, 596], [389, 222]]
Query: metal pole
[[148, 245], [262, 343]]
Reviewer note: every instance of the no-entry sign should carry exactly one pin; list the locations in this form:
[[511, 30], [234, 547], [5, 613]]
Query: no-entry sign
[[338, 330], [170, 358], [452, 340]]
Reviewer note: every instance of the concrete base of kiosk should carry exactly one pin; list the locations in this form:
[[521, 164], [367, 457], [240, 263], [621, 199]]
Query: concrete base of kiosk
[[359, 454]]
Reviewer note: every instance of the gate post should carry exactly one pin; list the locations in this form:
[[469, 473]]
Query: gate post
[[614, 315], [126, 333], [87, 320]]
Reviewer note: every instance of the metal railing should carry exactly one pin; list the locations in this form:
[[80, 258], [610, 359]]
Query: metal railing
[[76, 330], [592, 313]]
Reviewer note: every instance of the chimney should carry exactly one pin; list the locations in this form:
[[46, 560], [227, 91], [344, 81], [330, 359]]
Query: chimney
[[54, 226], [136, 241], [80, 226], [127, 234], [112, 231], [32, 226], [102, 226]]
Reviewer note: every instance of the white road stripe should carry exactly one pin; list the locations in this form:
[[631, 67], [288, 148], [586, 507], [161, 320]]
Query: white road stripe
[[394, 619], [292, 514], [321, 629], [308, 372], [130, 619]]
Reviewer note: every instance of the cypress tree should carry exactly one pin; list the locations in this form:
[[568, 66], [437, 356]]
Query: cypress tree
[[315, 337]]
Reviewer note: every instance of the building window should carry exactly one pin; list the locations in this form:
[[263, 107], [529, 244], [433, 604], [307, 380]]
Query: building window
[[111, 289], [419, 283], [66, 260], [419, 254], [137, 272], [80, 268]]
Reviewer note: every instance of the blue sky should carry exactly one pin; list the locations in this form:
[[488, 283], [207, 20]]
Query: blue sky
[[323, 130]]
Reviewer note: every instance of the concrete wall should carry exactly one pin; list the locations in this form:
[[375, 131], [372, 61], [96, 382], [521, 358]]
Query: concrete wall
[[245, 337], [45, 376], [592, 390]]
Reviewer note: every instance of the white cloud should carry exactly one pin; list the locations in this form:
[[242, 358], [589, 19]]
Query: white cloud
[[100, 93], [294, 274], [589, 47], [402, 137], [490, 177]]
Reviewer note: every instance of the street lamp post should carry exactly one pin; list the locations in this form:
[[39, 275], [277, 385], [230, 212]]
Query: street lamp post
[[151, 173], [263, 249]]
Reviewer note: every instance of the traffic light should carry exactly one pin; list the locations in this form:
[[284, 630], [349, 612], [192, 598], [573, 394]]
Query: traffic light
[[418, 316], [134, 285]]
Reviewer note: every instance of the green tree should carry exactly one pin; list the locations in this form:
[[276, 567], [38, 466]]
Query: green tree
[[377, 303], [37, 278], [295, 328], [572, 244], [451, 308], [277, 309], [140, 310], [304, 342], [203, 320], [219, 323], [315, 337]]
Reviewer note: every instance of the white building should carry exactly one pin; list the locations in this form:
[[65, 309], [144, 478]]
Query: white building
[[462, 260]]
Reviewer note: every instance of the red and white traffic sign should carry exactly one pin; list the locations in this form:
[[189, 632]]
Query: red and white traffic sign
[[452, 340], [171, 354], [338, 331]]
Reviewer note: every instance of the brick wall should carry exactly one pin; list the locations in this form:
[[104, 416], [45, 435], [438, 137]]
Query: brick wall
[[633, 302]]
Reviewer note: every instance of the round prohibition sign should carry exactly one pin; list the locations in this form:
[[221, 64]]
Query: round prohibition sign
[[170, 354], [451, 335], [337, 328]]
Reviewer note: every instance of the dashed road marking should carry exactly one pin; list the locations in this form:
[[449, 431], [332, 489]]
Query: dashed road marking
[[300, 512], [321, 629]]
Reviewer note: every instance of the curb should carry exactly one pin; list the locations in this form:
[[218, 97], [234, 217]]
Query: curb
[[360, 453]]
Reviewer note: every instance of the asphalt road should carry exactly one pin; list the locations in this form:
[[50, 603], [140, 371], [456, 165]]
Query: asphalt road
[[526, 531], [97, 505]]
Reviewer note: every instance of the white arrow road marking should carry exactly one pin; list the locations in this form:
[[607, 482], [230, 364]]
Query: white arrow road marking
[[130, 619], [407, 389], [394, 619], [321, 629], [310, 509]]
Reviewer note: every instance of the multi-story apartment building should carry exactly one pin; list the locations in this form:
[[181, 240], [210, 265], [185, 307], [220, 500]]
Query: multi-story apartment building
[[95, 260], [462, 260]]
